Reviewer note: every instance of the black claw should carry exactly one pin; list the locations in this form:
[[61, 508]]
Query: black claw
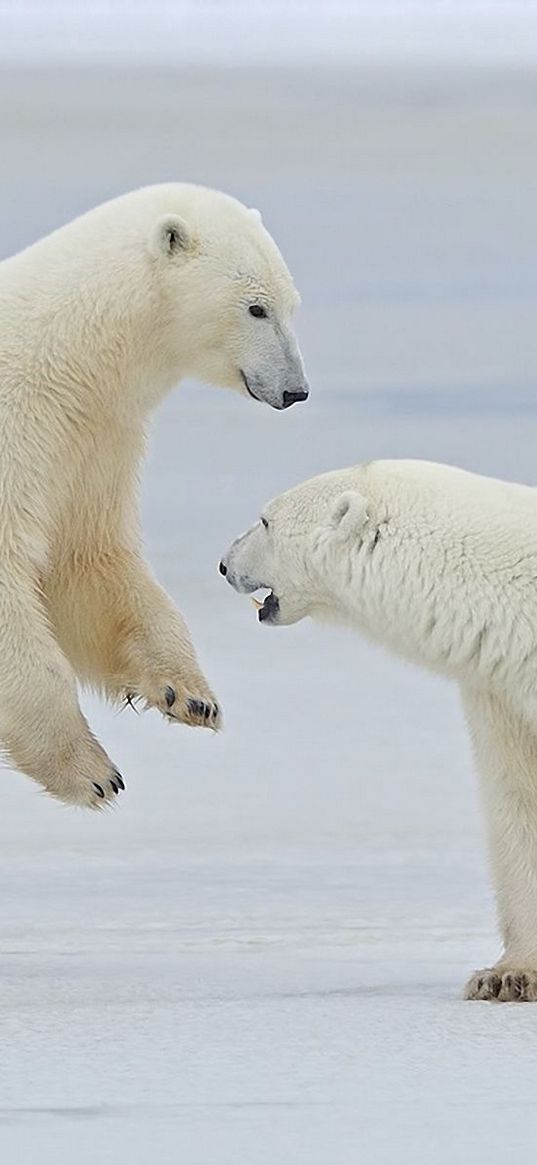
[[169, 696], [114, 786], [119, 779], [517, 986], [202, 709], [99, 791]]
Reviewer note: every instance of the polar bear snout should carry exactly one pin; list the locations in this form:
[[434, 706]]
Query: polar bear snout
[[249, 566], [243, 583], [268, 610], [245, 566], [272, 370], [264, 389]]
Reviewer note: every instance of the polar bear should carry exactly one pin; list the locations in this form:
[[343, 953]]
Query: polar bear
[[97, 322], [439, 565]]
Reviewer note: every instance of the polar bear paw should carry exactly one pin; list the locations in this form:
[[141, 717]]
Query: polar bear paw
[[199, 711], [88, 777], [503, 984], [192, 704]]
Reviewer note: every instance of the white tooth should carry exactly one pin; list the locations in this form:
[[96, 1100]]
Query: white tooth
[[256, 603]]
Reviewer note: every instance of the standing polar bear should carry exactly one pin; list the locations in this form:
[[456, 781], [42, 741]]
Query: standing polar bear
[[97, 322], [439, 565]]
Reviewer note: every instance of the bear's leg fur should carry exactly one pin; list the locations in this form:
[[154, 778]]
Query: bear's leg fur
[[506, 753], [42, 728], [122, 634]]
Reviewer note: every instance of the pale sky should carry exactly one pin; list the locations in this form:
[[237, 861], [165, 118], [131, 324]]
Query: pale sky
[[258, 31]]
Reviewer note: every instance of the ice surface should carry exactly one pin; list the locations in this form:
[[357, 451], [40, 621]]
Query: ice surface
[[256, 959]]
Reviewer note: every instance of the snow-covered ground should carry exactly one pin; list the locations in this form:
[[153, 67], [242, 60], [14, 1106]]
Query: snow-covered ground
[[256, 958]]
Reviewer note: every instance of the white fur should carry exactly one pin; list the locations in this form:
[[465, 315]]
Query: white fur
[[440, 566], [97, 322]]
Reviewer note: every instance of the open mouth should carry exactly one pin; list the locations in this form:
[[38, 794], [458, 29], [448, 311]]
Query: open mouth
[[268, 609]]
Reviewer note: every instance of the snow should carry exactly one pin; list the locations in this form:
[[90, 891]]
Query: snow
[[257, 957]]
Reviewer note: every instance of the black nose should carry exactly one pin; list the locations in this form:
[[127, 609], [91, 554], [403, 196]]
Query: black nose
[[291, 398], [222, 568]]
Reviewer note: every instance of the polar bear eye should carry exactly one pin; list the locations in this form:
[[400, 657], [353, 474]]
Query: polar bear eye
[[259, 312], [264, 523]]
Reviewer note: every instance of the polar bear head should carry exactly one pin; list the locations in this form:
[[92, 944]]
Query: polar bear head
[[301, 547], [229, 297]]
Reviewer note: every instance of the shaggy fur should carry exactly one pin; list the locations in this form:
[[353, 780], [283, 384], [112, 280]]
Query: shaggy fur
[[97, 322], [440, 566]]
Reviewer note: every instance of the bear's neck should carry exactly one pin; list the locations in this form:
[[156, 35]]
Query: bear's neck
[[103, 345]]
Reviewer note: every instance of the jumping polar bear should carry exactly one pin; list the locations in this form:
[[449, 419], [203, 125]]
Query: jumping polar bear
[[97, 322], [439, 565]]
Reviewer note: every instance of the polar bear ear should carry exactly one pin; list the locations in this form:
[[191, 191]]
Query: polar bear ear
[[255, 214], [170, 237], [349, 515]]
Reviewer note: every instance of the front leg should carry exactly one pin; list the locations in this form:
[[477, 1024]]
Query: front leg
[[157, 660], [506, 753], [123, 634]]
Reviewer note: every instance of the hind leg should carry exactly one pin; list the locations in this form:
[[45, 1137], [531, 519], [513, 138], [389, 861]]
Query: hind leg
[[42, 727]]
